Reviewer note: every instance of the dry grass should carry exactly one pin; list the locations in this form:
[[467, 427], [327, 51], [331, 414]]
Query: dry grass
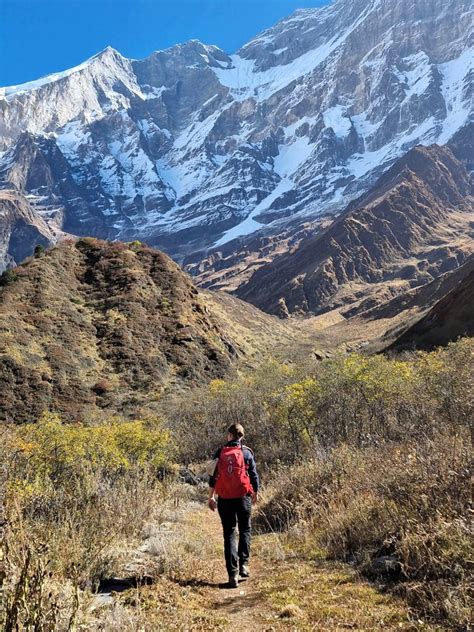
[[285, 588], [367, 458], [407, 503], [330, 597], [75, 499], [177, 563]]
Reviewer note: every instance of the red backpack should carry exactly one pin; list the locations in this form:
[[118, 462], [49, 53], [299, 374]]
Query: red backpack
[[232, 477]]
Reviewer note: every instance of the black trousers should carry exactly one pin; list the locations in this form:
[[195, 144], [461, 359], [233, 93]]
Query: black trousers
[[233, 511]]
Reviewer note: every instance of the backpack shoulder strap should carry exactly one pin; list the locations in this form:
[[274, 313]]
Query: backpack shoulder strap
[[249, 449]]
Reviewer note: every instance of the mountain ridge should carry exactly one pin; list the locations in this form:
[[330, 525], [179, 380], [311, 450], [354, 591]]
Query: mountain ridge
[[192, 147], [412, 225], [450, 318]]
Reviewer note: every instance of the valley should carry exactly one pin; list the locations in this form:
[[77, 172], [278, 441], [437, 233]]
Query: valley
[[282, 238]]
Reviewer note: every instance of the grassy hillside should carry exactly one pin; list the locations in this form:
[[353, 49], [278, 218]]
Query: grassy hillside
[[91, 326]]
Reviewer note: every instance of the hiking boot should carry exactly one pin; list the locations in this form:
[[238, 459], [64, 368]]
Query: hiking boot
[[233, 581], [244, 571]]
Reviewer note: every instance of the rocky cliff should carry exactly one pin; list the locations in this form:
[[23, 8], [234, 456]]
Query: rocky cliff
[[21, 229]]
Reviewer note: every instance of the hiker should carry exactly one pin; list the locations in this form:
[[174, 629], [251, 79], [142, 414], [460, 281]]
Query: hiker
[[234, 479]]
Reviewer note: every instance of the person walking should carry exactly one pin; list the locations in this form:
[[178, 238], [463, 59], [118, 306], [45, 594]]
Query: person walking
[[234, 480]]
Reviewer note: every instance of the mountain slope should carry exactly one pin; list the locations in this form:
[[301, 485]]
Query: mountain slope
[[91, 325], [414, 224], [21, 229], [192, 147], [450, 318], [233, 264]]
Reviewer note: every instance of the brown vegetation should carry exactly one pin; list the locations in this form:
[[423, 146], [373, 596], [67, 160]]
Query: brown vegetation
[[363, 459], [367, 460], [91, 326], [74, 498]]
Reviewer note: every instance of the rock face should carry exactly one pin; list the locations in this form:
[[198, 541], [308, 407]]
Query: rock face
[[192, 147], [90, 325], [21, 229], [413, 225], [234, 263]]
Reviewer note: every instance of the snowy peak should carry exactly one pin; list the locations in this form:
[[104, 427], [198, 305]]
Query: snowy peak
[[194, 52], [107, 58], [190, 147], [103, 83]]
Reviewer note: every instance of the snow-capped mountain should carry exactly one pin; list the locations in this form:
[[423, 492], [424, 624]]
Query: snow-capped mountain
[[192, 147]]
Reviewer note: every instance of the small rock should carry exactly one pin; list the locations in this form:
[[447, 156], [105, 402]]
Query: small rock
[[188, 477]]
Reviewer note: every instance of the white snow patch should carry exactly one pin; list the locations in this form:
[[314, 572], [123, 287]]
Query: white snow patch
[[364, 126], [71, 137], [291, 129], [360, 164], [194, 135], [459, 106], [336, 118], [183, 177], [152, 92], [420, 75], [246, 82], [292, 156], [249, 224], [149, 127]]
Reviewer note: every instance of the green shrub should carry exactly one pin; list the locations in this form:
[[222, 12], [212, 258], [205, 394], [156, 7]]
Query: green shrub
[[135, 245], [8, 277], [199, 421], [355, 399], [56, 451]]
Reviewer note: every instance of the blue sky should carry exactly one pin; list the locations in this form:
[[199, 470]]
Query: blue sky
[[38, 37]]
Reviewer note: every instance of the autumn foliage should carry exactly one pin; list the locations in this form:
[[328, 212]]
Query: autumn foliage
[[363, 458]]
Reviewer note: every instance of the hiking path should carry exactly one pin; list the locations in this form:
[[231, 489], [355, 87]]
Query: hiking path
[[286, 590]]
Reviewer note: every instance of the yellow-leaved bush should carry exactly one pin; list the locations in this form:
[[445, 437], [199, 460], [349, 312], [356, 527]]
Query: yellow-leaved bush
[[49, 452], [288, 410], [75, 496]]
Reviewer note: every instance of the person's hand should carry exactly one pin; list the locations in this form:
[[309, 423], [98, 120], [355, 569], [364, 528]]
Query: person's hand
[[255, 497], [212, 504]]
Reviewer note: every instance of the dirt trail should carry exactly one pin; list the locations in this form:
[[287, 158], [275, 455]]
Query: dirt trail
[[286, 590]]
